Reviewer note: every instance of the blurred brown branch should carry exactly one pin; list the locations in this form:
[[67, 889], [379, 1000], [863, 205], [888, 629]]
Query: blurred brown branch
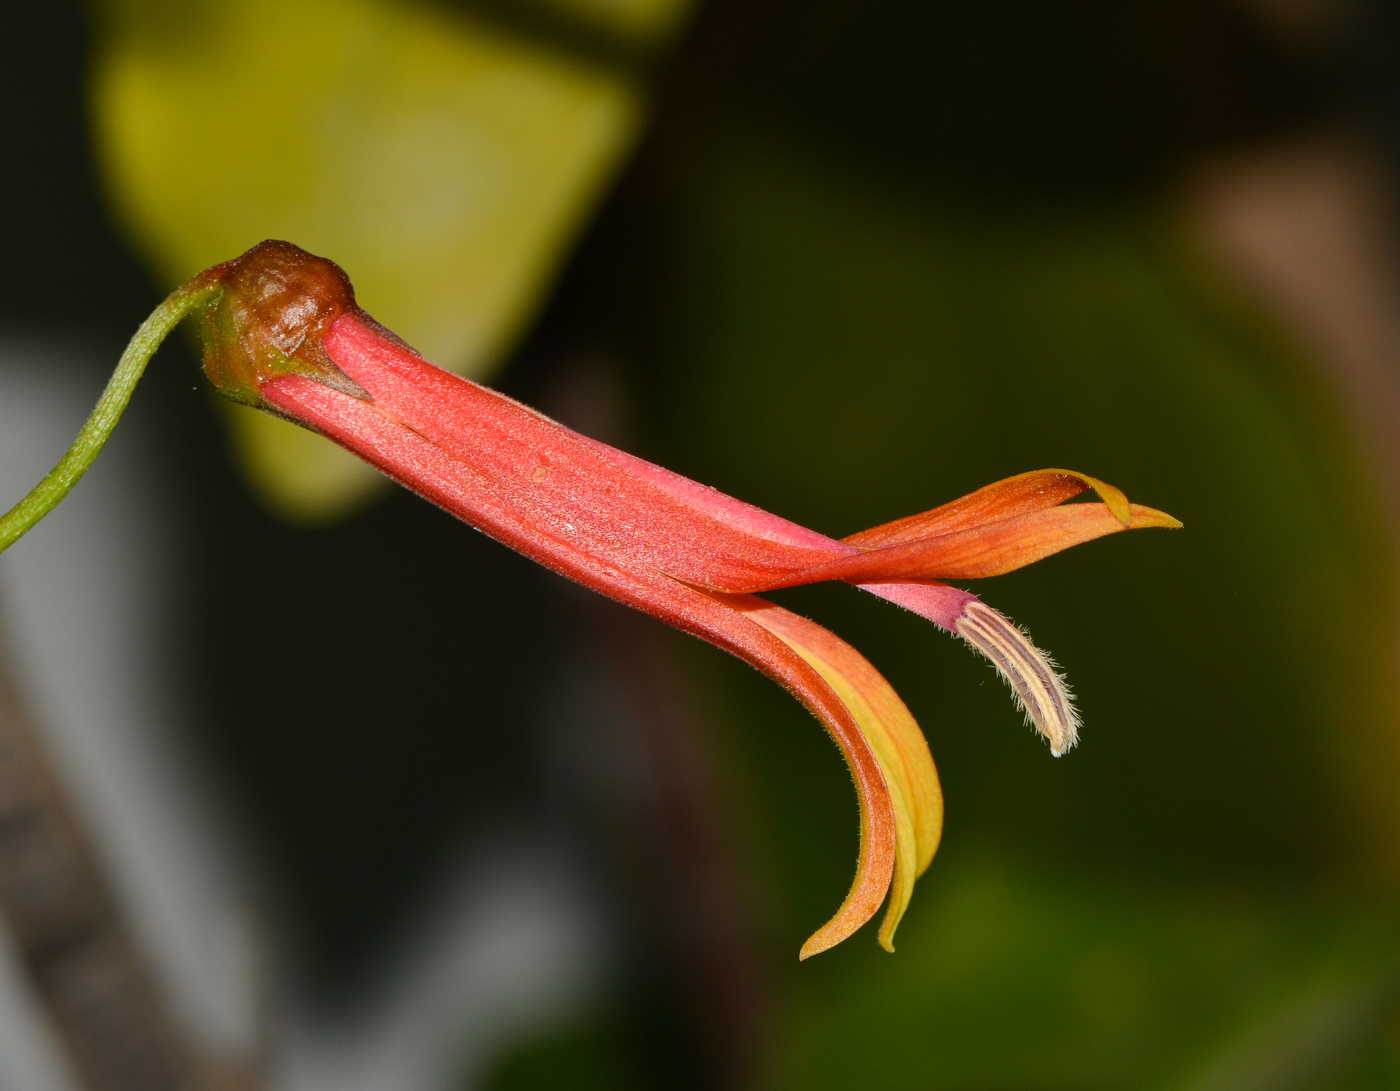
[[101, 995]]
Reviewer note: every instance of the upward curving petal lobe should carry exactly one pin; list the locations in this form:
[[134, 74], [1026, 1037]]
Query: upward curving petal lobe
[[991, 549], [1003, 499]]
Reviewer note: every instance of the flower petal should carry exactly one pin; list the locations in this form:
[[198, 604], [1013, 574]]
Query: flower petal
[[893, 734], [1000, 500], [554, 480], [990, 549]]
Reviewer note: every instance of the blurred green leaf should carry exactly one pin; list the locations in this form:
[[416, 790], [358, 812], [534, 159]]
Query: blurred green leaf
[[645, 23], [445, 163], [593, 1056], [1014, 979]]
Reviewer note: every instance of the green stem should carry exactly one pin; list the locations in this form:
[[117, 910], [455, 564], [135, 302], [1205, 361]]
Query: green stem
[[44, 497]]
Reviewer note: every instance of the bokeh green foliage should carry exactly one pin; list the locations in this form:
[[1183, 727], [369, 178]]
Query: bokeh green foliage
[[1019, 978], [1016, 978]]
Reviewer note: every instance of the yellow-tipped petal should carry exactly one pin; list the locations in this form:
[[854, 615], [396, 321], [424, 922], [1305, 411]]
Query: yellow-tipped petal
[[984, 549], [1005, 499], [899, 746], [1151, 517], [1009, 544], [1113, 497]]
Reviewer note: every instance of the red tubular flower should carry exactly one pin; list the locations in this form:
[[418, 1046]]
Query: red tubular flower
[[285, 334]]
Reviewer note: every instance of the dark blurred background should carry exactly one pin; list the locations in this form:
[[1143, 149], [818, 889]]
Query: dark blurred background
[[845, 261]]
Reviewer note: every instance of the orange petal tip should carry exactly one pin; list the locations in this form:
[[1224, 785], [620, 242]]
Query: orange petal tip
[[817, 943], [1142, 518]]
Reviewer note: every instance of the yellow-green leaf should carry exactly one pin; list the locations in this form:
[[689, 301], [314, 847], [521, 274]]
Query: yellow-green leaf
[[448, 162]]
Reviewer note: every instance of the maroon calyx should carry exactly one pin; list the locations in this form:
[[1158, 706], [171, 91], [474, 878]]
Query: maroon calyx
[[275, 307]]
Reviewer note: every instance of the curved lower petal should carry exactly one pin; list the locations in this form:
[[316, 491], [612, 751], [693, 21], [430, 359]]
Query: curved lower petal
[[899, 745]]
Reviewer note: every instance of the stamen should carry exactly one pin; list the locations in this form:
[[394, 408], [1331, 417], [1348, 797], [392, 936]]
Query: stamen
[[1040, 689]]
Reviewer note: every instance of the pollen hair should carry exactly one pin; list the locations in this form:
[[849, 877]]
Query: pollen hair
[[1039, 687]]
